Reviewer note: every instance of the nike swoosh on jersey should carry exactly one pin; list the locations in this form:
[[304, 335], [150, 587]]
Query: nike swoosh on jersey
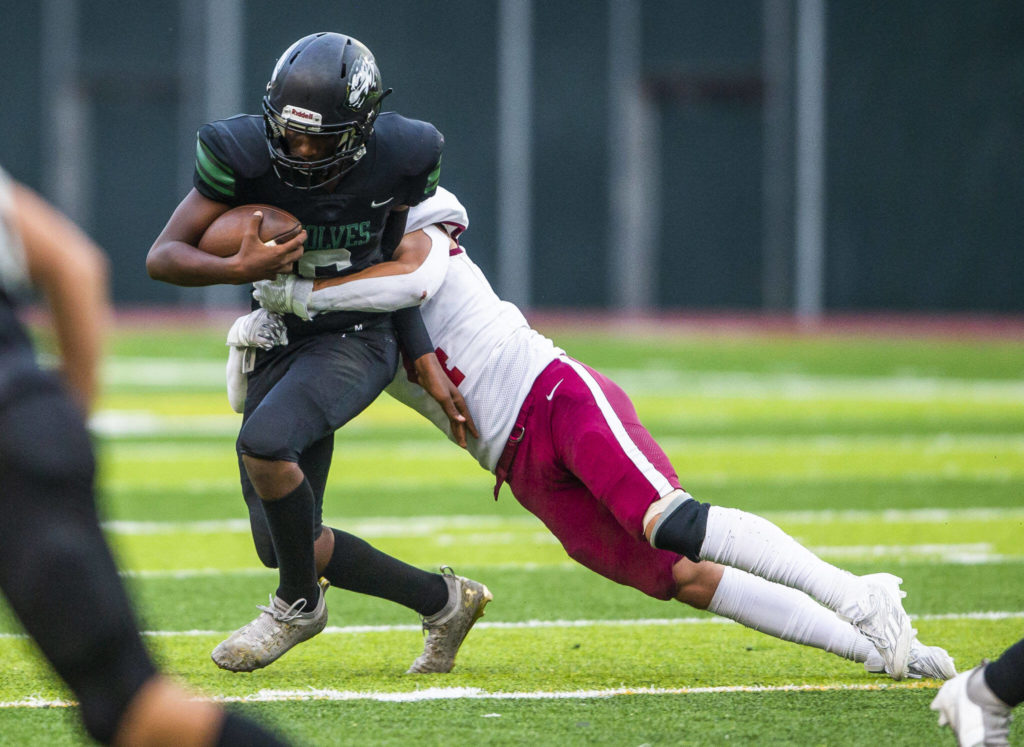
[[382, 203], [552, 393]]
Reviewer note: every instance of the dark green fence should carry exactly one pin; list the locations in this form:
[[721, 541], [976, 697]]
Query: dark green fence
[[925, 144]]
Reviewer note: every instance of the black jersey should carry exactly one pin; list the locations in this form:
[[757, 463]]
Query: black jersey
[[17, 358], [344, 226], [12, 334], [18, 366]]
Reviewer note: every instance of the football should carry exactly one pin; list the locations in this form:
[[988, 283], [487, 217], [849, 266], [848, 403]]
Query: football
[[224, 235]]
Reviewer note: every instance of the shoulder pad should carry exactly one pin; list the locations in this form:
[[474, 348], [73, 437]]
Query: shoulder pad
[[420, 143], [228, 150], [414, 148]]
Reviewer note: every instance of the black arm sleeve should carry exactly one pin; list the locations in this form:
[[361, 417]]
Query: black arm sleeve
[[412, 333], [394, 230]]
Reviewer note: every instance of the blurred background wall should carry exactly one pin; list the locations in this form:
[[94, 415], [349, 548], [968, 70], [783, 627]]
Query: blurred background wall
[[780, 155]]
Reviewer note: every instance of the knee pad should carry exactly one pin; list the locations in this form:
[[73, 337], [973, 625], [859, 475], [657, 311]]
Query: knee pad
[[257, 441], [681, 527]]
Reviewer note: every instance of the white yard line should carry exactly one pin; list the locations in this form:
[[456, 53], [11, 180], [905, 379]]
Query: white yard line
[[953, 557], [410, 526], [417, 526], [733, 384], [471, 693], [978, 553], [207, 373], [475, 693], [558, 624], [120, 423], [190, 573]]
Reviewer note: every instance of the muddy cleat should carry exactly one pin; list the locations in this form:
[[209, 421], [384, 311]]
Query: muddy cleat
[[279, 627], [447, 629], [878, 614], [925, 661], [967, 706]]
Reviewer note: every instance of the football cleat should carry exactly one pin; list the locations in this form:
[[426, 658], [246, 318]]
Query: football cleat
[[925, 661], [279, 627], [448, 628], [967, 706], [878, 613]]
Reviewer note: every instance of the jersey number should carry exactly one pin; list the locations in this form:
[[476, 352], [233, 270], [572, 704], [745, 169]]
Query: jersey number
[[324, 262], [456, 376]]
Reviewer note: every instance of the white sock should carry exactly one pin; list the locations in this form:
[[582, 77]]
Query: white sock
[[753, 544], [787, 614]]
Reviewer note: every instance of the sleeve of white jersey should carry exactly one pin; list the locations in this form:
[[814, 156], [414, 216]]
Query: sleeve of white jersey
[[443, 208], [391, 292], [409, 289]]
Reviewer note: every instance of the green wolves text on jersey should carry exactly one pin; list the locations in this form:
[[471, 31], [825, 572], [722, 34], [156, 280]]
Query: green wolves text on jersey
[[332, 237], [330, 247]]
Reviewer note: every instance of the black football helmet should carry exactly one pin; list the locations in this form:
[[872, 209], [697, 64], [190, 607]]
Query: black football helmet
[[328, 85]]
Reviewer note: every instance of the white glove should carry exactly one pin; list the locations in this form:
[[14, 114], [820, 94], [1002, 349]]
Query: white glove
[[238, 382], [287, 294], [258, 329]]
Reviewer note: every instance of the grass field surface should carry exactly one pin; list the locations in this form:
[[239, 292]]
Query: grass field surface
[[903, 454]]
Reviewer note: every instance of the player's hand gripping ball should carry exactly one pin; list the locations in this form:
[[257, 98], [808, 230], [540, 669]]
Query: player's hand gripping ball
[[224, 235]]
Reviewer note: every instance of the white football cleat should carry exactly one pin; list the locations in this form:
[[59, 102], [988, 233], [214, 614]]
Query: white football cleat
[[967, 706], [878, 614], [279, 627], [448, 628], [925, 661]]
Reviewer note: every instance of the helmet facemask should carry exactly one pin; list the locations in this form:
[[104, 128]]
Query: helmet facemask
[[300, 173]]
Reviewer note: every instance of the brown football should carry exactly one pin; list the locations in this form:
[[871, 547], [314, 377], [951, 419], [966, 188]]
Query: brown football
[[224, 235]]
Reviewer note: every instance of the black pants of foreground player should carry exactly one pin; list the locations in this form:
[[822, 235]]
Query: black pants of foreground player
[[60, 579]]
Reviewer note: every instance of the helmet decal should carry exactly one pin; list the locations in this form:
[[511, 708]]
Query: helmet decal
[[360, 81], [309, 119]]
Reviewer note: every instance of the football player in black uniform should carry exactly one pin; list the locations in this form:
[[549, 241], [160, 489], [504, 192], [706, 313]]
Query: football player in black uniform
[[323, 151], [55, 567]]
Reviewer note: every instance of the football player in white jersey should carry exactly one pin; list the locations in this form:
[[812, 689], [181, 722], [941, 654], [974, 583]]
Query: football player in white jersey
[[568, 442]]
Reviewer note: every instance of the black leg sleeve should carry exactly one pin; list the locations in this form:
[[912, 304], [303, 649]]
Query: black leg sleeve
[[290, 520], [682, 527], [357, 566], [55, 567], [238, 731], [1005, 675]]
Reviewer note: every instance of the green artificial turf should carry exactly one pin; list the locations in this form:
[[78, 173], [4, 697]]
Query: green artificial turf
[[900, 454]]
